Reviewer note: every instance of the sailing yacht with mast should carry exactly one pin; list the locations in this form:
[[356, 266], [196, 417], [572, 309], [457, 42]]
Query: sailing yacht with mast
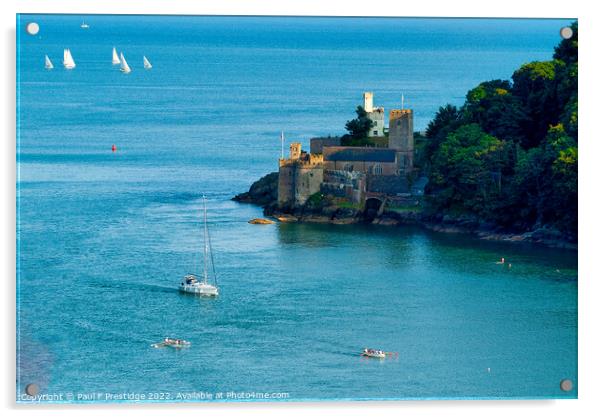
[[125, 68], [116, 60], [47, 63], [192, 283], [147, 64], [68, 61]]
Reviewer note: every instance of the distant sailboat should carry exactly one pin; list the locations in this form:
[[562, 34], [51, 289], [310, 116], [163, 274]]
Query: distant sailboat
[[68, 61], [84, 25], [47, 63], [116, 60], [147, 64], [125, 68]]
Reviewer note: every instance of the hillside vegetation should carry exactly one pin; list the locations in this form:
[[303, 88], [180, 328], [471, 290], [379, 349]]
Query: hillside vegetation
[[509, 154]]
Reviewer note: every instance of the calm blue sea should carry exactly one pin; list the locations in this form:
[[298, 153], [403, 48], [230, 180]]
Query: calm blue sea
[[104, 238]]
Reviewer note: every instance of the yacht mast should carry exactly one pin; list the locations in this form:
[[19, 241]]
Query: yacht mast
[[206, 241]]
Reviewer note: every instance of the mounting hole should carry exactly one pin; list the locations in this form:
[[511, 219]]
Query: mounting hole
[[566, 385], [32, 28], [32, 389], [566, 32]]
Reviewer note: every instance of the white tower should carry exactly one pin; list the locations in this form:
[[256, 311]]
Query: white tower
[[368, 101]]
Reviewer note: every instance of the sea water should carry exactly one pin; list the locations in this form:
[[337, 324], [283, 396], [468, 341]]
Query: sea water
[[104, 238]]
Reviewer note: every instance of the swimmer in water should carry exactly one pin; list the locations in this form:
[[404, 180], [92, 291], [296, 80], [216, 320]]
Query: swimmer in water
[[502, 261]]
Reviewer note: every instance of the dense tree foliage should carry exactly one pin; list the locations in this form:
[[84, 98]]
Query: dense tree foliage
[[358, 129], [509, 154]]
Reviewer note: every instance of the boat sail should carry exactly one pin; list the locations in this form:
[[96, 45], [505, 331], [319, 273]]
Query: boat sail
[[147, 64], [68, 61], [200, 285], [116, 60], [47, 63], [125, 68]]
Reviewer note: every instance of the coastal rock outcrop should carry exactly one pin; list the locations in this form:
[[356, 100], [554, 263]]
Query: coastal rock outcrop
[[263, 192]]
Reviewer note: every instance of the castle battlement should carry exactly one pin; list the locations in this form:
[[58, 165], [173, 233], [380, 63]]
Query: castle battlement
[[397, 113], [305, 160]]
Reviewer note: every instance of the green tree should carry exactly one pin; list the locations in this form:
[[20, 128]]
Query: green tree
[[545, 184], [566, 52], [535, 86], [497, 111], [466, 171], [446, 120], [359, 127]]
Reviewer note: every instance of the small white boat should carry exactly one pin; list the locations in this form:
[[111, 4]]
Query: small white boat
[[369, 352], [47, 63], [84, 25], [68, 61], [147, 64], [116, 60], [173, 343], [125, 68], [200, 285]]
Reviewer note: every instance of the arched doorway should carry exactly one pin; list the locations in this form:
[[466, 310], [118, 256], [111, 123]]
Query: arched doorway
[[373, 208]]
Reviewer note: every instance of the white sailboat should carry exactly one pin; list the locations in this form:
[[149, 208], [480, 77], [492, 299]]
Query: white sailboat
[[116, 60], [84, 25], [192, 283], [47, 63], [68, 61], [125, 68], [147, 64]]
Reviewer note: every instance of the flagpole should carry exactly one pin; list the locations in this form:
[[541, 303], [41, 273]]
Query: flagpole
[[282, 145]]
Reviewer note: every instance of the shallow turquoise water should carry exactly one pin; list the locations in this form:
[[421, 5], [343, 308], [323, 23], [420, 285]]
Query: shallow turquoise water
[[104, 238]]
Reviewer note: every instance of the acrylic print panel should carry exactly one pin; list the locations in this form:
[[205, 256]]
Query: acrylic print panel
[[292, 208]]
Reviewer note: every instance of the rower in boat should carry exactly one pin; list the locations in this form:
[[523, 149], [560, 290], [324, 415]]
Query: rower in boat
[[369, 352], [172, 342]]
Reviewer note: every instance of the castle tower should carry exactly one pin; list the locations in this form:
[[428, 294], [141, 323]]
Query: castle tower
[[401, 137], [368, 101], [295, 150], [375, 114], [299, 176]]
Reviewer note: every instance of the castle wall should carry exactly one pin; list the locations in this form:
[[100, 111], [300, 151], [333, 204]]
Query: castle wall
[[308, 181], [299, 178], [388, 184], [317, 144], [286, 182], [365, 167], [349, 184]]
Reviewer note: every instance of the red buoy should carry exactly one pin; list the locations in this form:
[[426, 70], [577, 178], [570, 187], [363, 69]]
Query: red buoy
[[113, 148]]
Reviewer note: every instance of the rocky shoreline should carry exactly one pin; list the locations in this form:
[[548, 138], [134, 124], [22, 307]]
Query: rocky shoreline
[[264, 193]]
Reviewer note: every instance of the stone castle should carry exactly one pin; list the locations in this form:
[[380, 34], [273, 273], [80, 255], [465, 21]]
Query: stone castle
[[356, 173]]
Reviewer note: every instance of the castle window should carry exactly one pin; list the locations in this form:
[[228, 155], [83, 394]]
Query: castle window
[[375, 132]]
